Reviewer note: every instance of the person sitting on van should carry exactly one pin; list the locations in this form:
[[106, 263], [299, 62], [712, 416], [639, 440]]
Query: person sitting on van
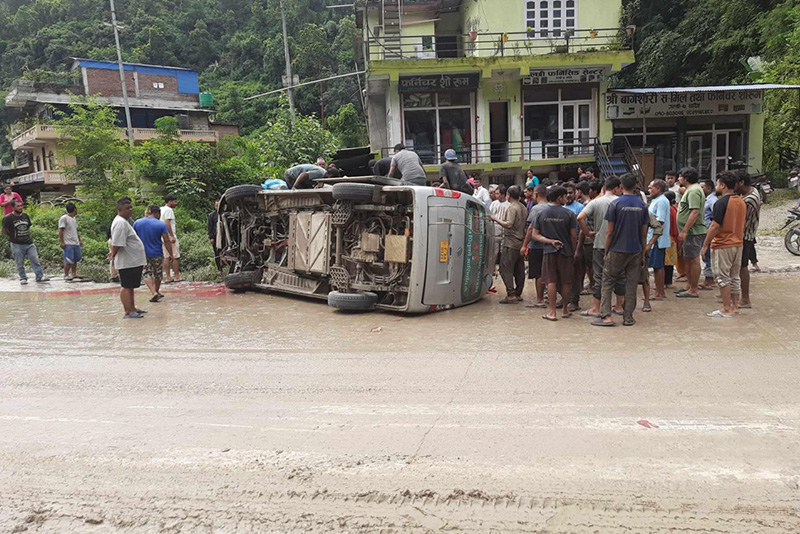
[[409, 165], [452, 175]]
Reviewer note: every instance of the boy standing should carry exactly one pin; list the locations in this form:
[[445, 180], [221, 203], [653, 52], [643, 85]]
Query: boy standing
[[70, 242], [168, 218], [556, 227], [17, 226], [726, 238]]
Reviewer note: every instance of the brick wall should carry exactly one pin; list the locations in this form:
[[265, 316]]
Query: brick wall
[[169, 92], [106, 82]]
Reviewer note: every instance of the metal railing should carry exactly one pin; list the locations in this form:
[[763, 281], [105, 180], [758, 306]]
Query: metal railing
[[46, 177], [504, 44], [52, 132], [507, 152]]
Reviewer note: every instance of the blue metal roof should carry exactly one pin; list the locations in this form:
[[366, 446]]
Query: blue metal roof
[[188, 81]]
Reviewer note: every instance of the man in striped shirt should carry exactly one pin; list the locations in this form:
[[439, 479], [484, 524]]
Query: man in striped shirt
[[752, 199]]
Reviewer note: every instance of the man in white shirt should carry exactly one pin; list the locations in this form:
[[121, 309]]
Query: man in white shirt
[[480, 192], [168, 218], [128, 256]]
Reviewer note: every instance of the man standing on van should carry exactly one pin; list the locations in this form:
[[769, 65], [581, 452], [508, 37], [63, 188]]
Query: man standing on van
[[512, 264], [409, 165], [168, 218]]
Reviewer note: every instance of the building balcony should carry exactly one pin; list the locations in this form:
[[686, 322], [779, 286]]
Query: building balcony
[[397, 47], [511, 154], [40, 134], [43, 177]]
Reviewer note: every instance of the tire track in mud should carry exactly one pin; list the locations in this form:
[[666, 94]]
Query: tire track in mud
[[374, 511]]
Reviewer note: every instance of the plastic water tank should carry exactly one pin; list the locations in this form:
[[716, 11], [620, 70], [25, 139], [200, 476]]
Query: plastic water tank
[[206, 100]]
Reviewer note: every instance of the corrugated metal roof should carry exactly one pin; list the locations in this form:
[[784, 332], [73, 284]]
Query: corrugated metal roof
[[708, 88]]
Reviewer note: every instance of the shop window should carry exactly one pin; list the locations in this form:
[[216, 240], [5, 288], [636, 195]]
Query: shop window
[[550, 18], [434, 122]]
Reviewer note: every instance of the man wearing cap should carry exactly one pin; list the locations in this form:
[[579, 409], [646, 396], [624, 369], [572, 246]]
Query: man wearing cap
[[452, 175]]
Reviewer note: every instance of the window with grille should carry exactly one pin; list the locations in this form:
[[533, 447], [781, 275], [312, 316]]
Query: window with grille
[[550, 18]]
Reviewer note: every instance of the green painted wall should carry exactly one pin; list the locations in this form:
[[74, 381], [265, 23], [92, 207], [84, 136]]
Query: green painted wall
[[756, 142]]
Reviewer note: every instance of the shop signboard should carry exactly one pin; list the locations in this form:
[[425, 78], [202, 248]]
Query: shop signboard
[[439, 82], [565, 75], [621, 105]]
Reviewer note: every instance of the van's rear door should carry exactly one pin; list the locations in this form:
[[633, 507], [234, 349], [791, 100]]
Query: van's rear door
[[445, 257]]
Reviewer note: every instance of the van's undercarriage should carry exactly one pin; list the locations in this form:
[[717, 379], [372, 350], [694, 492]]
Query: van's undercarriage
[[350, 244]]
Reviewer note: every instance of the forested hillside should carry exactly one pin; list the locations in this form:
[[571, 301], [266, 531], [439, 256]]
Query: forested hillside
[[237, 47]]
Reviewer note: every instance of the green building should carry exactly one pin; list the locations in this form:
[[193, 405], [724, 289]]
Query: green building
[[513, 85]]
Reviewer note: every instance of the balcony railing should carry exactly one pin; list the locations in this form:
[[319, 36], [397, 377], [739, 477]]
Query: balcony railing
[[509, 152], [45, 177], [508, 44], [40, 133]]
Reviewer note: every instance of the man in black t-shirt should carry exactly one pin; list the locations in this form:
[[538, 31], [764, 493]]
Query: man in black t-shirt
[[17, 226], [452, 175], [556, 227]]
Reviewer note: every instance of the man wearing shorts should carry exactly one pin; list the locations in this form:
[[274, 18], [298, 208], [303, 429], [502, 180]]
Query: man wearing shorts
[[155, 237], [70, 242], [168, 218], [692, 228], [535, 252], [557, 228], [127, 253], [725, 238]]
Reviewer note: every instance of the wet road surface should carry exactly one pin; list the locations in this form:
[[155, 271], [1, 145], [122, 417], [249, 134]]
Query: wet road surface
[[262, 413]]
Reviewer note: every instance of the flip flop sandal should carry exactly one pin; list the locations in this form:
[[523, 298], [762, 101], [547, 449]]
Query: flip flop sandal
[[567, 316], [586, 292], [683, 290], [141, 312], [705, 288], [647, 308], [156, 298], [718, 313], [745, 306], [615, 312], [509, 301], [600, 322], [536, 305], [546, 318], [134, 315], [587, 313], [686, 295], [629, 323], [658, 298]]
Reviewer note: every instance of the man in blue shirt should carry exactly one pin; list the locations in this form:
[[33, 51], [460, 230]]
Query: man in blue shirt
[[708, 211], [628, 220], [659, 208], [153, 232]]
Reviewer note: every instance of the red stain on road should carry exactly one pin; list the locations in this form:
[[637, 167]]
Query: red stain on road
[[647, 424]]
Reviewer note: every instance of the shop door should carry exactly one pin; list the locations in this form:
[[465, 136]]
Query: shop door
[[700, 152], [575, 128], [498, 120], [721, 156]]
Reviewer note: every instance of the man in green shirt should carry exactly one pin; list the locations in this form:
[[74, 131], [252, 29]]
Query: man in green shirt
[[692, 228]]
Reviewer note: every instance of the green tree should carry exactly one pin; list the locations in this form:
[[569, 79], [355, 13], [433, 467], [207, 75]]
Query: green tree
[[348, 127], [281, 146], [90, 135]]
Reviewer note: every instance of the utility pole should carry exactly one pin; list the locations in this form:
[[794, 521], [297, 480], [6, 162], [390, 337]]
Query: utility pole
[[289, 77], [122, 75]]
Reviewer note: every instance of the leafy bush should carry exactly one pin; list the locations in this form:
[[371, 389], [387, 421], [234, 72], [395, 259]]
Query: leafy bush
[[196, 252]]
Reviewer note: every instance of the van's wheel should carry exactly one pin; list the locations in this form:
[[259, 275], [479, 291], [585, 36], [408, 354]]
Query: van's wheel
[[352, 301], [354, 191], [243, 281], [239, 192]]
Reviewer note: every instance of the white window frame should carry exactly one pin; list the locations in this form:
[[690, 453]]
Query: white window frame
[[549, 19], [529, 152]]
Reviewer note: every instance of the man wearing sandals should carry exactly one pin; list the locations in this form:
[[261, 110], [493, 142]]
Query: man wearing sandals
[[512, 264], [725, 238], [556, 227], [626, 238], [692, 227], [127, 254], [155, 237], [168, 218]]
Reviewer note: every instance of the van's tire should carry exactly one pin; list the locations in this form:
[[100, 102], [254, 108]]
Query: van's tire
[[243, 281], [354, 191], [365, 301], [239, 192]]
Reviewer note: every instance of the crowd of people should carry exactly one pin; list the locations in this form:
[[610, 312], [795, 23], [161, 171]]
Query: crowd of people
[[608, 232]]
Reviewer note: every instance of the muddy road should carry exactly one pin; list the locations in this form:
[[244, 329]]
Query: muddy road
[[257, 413]]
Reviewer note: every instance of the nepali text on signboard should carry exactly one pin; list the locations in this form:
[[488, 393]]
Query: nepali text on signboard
[[439, 82], [684, 104], [565, 75]]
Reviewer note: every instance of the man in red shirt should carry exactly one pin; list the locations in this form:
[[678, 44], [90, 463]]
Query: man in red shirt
[[6, 198]]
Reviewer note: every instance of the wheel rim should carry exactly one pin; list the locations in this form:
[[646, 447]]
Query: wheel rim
[[793, 242]]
